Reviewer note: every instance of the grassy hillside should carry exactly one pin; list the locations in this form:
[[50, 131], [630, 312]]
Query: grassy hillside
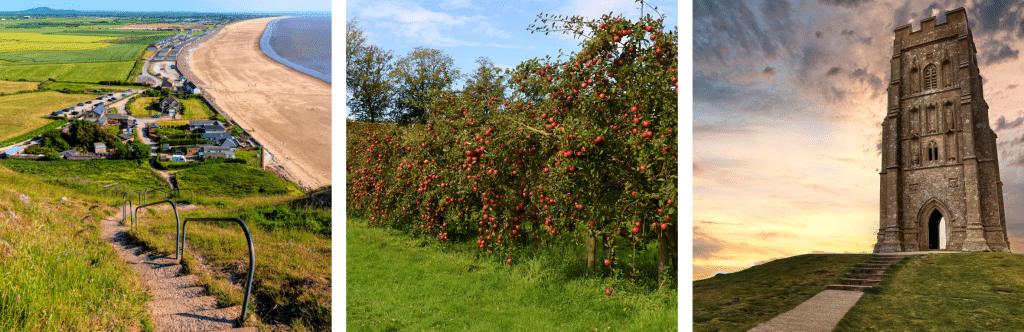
[[58, 275], [945, 292], [739, 301]]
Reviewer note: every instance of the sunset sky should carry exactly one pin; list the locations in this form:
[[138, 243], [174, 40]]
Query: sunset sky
[[788, 102]]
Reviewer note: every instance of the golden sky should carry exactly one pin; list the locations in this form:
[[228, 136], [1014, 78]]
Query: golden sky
[[788, 102]]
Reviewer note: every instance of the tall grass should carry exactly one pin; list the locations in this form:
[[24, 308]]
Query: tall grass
[[58, 275]]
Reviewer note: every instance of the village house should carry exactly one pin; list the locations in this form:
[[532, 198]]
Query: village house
[[206, 126], [170, 106], [100, 148]]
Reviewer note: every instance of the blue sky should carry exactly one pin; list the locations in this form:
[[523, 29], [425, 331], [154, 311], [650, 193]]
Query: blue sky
[[174, 5], [467, 30]]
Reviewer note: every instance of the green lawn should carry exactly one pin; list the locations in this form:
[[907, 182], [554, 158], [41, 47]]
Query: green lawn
[[87, 87], [196, 109], [945, 292], [9, 86], [399, 283], [740, 300]]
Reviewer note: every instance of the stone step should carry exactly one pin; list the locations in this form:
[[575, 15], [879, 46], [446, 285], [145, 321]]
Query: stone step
[[873, 266], [185, 281], [181, 306], [178, 293], [861, 282], [240, 329], [157, 271], [204, 320], [865, 276], [862, 270], [856, 288]]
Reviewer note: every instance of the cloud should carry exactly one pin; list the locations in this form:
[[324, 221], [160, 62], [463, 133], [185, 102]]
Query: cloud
[[456, 4], [705, 245], [1002, 124], [1003, 54], [844, 3], [847, 33], [426, 27], [769, 71], [819, 35], [996, 15], [833, 72], [866, 40]]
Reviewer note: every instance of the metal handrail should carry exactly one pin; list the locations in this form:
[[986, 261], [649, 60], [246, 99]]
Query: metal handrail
[[193, 200], [252, 255], [178, 220], [168, 194]]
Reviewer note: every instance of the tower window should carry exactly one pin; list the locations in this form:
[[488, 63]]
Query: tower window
[[930, 78]]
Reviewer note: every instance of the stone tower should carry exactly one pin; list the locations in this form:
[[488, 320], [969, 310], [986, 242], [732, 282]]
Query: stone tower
[[940, 185]]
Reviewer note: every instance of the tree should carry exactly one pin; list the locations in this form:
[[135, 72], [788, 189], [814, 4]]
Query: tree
[[366, 77], [420, 77], [487, 81]]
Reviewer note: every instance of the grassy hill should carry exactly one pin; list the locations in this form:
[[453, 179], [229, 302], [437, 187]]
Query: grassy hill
[[939, 292]]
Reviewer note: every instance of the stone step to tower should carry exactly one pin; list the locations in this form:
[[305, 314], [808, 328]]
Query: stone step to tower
[[867, 275]]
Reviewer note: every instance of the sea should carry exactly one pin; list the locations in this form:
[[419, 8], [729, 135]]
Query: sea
[[302, 43]]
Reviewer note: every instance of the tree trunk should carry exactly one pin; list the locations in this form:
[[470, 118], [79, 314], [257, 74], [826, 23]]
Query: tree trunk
[[663, 257], [591, 248]]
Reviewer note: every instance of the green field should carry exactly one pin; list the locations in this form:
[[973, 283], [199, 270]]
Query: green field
[[70, 173], [143, 106], [73, 72], [87, 87], [9, 86], [24, 112], [233, 180]]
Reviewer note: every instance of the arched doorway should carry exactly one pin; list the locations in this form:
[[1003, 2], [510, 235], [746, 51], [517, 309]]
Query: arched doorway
[[936, 231]]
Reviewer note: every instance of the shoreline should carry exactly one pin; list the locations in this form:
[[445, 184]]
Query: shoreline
[[269, 51], [286, 111]]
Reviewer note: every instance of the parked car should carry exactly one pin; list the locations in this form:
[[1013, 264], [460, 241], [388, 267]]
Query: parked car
[[74, 113], [81, 104]]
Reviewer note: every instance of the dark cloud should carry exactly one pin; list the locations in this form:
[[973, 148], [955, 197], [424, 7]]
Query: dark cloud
[[777, 16], [927, 12], [996, 15], [833, 94], [709, 89], [705, 245], [696, 170], [862, 75], [1003, 54], [844, 3], [1011, 86], [866, 40], [1020, 32], [847, 33], [810, 58], [819, 35], [901, 15], [726, 29], [769, 71], [834, 71], [1002, 124]]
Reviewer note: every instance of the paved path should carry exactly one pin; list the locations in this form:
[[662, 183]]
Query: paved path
[[820, 313]]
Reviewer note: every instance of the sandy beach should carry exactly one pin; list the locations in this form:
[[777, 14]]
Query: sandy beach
[[286, 111]]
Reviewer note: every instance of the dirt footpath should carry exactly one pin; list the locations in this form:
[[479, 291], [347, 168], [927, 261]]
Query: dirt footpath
[[286, 111]]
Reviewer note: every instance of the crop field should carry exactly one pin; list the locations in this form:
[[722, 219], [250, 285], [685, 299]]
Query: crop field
[[80, 87], [74, 72], [24, 112], [21, 41], [9, 87], [110, 53]]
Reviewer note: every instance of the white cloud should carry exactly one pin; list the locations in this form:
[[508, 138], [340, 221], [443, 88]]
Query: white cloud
[[430, 28], [456, 4]]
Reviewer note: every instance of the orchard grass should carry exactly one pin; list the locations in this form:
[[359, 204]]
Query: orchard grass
[[292, 283], [978, 291], [399, 282], [22, 113], [11, 86], [741, 300], [59, 275]]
